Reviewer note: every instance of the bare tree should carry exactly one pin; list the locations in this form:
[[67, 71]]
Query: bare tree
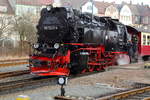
[[26, 30], [6, 23]]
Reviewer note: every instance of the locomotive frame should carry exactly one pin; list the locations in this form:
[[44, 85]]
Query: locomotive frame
[[94, 58]]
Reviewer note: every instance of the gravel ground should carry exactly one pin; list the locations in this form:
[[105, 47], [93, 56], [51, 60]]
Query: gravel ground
[[48, 92], [91, 85]]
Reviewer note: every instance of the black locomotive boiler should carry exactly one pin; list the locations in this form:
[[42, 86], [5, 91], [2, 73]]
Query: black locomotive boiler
[[73, 42]]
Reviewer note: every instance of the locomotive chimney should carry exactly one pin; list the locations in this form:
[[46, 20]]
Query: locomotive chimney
[[57, 3]]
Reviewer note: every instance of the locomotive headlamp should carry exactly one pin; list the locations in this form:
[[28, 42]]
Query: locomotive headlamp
[[106, 37], [37, 45], [56, 45], [49, 7]]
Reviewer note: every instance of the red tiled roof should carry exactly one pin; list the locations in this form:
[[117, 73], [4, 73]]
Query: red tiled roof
[[102, 6], [143, 10], [139, 10], [78, 3], [45, 2], [73, 3], [34, 2]]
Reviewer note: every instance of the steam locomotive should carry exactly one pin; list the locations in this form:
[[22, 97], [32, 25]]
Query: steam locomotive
[[72, 42]]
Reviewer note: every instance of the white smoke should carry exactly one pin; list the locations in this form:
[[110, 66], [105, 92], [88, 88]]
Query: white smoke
[[123, 59]]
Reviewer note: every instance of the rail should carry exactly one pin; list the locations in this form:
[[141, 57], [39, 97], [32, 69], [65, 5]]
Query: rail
[[18, 84], [126, 94], [13, 62], [12, 85], [148, 98], [10, 60], [13, 73]]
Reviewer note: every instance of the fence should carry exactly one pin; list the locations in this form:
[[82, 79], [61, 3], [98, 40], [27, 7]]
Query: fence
[[23, 49]]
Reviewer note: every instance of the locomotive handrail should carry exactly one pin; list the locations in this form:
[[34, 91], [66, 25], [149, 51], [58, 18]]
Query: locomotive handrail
[[87, 49]]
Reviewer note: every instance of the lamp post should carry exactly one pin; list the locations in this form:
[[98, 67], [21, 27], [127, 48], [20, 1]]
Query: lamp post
[[62, 81]]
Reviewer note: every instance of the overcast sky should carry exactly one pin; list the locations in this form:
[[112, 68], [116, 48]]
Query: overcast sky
[[133, 1]]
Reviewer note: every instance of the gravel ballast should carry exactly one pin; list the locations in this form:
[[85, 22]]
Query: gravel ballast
[[48, 92]]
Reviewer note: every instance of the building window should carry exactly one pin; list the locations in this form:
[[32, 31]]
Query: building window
[[89, 7], [144, 39]]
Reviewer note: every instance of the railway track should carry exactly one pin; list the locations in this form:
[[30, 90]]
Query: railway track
[[13, 73], [142, 93], [135, 94], [13, 62], [10, 60], [7, 87]]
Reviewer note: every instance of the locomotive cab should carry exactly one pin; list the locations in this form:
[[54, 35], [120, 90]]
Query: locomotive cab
[[117, 37], [134, 43]]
